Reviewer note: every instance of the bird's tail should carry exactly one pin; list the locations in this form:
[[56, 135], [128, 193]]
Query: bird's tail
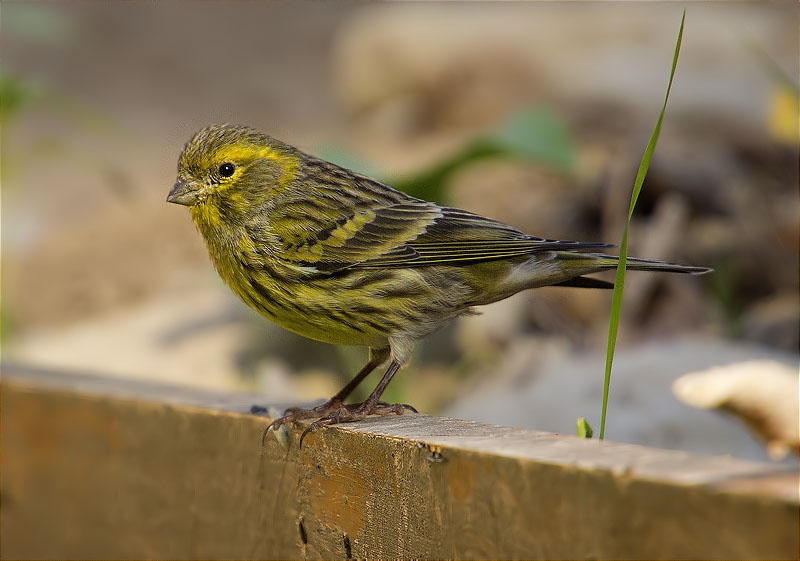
[[603, 262], [636, 264], [587, 263]]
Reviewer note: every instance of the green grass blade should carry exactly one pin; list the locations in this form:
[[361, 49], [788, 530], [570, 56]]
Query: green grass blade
[[619, 283]]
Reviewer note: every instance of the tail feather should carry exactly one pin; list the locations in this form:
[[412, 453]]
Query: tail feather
[[636, 264], [603, 262]]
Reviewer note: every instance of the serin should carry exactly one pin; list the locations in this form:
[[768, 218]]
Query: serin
[[338, 257]]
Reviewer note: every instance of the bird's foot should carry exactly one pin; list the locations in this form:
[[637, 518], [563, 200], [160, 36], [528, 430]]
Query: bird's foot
[[356, 412], [295, 414], [333, 412]]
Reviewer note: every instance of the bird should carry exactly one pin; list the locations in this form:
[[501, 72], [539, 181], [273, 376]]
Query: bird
[[338, 257]]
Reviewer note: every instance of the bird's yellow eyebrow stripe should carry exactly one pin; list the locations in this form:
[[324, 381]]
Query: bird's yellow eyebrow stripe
[[243, 153]]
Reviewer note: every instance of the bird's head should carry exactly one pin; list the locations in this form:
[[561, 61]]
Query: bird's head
[[227, 172]]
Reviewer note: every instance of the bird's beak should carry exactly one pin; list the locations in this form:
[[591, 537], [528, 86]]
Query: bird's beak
[[182, 194]]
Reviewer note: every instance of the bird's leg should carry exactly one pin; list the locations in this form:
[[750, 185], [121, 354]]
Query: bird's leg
[[335, 403], [372, 402], [358, 411]]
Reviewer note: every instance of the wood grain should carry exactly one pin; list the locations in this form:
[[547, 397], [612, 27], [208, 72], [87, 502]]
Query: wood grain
[[98, 468]]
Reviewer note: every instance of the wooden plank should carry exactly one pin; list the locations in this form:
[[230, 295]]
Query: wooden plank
[[98, 468]]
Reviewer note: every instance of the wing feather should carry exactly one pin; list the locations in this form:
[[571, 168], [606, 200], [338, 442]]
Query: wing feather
[[415, 234]]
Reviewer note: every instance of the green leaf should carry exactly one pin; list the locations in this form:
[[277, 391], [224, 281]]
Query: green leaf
[[584, 429], [534, 134], [619, 283], [16, 94], [538, 134]]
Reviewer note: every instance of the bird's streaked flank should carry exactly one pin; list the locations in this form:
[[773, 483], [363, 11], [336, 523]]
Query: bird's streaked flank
[[338, 257]]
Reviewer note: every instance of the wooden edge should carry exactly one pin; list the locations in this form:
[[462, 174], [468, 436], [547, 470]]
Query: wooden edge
[[96, 467], [624, 460]]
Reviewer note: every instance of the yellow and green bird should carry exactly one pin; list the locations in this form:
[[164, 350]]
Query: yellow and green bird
[[338, 257]]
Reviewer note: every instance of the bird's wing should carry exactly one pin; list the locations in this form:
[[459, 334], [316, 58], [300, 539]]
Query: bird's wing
[[347, 240], [460, 237], [413, 233]]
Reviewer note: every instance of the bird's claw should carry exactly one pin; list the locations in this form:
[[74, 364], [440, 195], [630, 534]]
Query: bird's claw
[[295, 414], [356, 412], [333, 413]]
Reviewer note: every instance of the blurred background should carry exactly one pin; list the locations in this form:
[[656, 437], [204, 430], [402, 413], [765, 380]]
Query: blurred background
[[535, 114]]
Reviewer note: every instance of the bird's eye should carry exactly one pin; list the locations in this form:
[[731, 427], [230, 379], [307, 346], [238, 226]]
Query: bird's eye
[[226, 169]]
